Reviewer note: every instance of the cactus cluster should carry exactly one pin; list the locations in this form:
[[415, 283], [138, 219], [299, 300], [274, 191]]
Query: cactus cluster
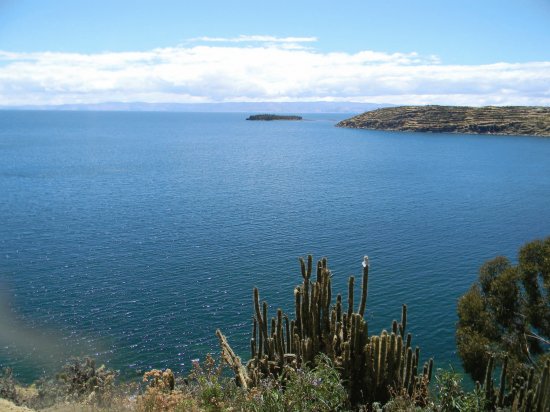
[[524, 395], [372, 368]]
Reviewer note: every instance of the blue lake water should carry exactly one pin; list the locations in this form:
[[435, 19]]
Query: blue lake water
[[133, 236]]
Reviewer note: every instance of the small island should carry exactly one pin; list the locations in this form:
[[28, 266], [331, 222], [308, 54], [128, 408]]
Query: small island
[[507, 120], [269, 117]]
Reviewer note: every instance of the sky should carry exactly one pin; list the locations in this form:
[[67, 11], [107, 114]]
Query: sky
[[167, 51]]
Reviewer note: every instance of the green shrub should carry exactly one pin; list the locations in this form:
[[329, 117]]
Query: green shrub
[[302, 390], [318, 389], [452, 397]]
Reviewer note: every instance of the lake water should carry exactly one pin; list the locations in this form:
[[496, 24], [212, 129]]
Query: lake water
[[133, 236]]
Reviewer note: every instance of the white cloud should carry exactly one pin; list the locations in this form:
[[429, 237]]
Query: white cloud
[[254, 39], [272, 71]]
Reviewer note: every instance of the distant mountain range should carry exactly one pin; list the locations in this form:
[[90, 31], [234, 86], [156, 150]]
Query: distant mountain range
[[243, 107]]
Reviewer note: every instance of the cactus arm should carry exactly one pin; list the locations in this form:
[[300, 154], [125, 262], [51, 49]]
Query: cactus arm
[[364, 286], [233, 361]]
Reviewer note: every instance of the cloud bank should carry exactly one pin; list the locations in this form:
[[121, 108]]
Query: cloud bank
[[276, 70]]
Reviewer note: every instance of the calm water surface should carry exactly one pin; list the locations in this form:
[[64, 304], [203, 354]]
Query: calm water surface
[[133, 236]]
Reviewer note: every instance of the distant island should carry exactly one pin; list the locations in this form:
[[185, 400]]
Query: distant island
[[510, 120], [273, 117]]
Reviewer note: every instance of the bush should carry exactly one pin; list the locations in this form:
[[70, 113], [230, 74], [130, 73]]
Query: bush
[[319, 389], [452, 397], [81, 378], [7, 386], [205, 389], [78, 381]]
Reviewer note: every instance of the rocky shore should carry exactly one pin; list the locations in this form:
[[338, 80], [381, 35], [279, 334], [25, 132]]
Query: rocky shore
[[509, 120]]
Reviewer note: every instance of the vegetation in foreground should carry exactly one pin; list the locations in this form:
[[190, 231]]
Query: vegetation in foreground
[[324, 360], [507, 313]]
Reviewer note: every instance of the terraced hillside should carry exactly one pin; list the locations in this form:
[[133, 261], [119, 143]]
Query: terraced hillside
[[510, 120]]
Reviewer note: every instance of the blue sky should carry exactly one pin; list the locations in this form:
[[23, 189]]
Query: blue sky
[[397, 51]]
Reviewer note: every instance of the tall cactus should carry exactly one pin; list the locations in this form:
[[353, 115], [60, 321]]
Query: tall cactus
[[372, 368], [531, 395]]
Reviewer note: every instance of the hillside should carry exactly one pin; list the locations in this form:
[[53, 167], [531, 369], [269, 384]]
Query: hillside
[[511, 120]]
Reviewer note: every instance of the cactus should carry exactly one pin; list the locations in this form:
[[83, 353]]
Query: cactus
[[502, 387], [372, 368], [531, 395]]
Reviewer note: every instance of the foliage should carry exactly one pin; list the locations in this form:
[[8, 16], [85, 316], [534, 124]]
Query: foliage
[[81, 378], [78, 381], [534, 261], [205, 389], [310, 389], [317, 389], [7, 386], [303, 390], [507, 312], [400, 403], [453, 398], [161, 395], [208, 379], [402, 400]]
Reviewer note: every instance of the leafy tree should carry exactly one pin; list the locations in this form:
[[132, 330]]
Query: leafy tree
[[507, 311]]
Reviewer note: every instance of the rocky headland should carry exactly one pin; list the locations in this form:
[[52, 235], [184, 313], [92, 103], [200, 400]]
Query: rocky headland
[[508, 120], [273, 117]]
